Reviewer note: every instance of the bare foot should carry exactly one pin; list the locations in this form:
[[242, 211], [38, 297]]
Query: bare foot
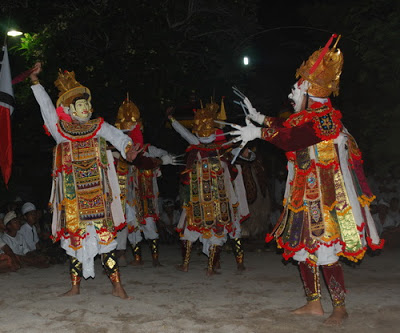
[[119, 291], [313, 308], [339, 314], [75, 290], [182, 268]]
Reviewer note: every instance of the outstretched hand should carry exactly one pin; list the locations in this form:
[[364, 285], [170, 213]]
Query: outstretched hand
[[172, 160], [244, 134], [133, 152], [35, 71]]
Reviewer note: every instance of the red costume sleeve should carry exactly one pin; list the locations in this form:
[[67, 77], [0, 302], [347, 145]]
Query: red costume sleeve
[[291, 139], [273, 121]]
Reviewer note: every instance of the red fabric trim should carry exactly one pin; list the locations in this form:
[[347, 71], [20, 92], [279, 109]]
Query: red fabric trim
[[336, 119], [244, 218], [375, 246], [290, 251], [361, 227], [63, 168], [64, 233], [269, 238], [84, 138], [46, 130], [120, 226]]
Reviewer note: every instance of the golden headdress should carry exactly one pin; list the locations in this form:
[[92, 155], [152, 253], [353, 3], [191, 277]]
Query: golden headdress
[[69, 88], [128, 115], [203, 122], [323, 69]]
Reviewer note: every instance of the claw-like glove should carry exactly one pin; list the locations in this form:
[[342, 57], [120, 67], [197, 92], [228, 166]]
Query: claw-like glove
[[246, 133], [170, 159], [166, 159], [253, 113]]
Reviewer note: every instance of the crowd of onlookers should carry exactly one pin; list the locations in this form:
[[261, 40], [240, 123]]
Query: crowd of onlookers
[[25, 238]]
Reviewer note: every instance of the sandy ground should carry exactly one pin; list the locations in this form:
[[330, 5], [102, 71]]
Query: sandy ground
[[166, 300]]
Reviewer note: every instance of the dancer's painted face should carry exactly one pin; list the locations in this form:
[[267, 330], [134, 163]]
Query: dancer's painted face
[[298, 95], [81, 110]]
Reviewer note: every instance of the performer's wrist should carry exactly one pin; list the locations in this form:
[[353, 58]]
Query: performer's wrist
[[35, 82]]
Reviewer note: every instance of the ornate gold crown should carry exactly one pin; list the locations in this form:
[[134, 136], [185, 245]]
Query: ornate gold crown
[[128, 115], [69, 88], [203, 123], [322, 70]]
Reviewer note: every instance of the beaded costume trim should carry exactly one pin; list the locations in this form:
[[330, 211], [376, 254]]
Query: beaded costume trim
[[79, 132], [326, 120]]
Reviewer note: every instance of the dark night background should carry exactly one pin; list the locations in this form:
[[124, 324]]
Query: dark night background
[[177, 52]]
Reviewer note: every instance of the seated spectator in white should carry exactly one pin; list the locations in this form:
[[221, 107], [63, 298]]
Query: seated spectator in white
[[382, 219], [11, 237], [18, 245], [28, 229]]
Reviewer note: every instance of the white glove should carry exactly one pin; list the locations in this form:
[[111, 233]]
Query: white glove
[[244, 134], [253, 113], [166, 159], [171, 159], [247, 133]]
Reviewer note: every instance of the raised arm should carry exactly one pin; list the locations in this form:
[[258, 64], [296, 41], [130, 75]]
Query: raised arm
[[47, 108], [183, 131]]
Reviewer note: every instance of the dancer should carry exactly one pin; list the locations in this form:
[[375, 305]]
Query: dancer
[[85, 195], [326, 203]]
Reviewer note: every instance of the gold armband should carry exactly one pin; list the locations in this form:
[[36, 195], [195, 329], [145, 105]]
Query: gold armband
[[128, 147], [34, 82], [267, 121], [268, 134]]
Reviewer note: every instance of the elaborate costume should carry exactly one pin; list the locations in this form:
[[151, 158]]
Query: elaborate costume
[[210, 202], [326, 203], [138, 183], [85, 195]]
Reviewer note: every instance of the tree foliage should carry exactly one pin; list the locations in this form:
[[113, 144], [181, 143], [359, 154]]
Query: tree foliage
[[157, 50]]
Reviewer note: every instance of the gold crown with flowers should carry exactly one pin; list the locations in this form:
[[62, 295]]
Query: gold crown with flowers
[[69, 88], [128, 115], [323, 69]]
